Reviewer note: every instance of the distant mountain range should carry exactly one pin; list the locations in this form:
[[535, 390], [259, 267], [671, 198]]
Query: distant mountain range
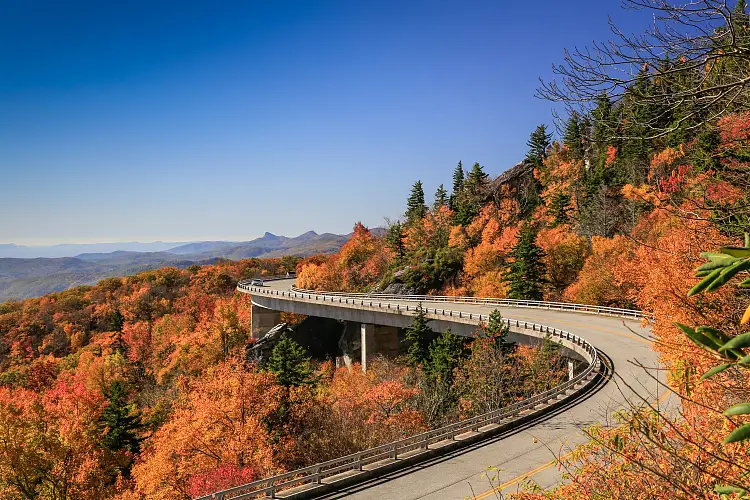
[[71, 250], [35, 275]]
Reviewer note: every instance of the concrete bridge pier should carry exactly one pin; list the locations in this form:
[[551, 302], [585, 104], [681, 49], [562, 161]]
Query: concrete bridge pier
[[367, 343], [377, 339], [263, 320]]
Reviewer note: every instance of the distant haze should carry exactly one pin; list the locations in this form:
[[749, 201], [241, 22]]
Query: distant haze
[[71, 250]]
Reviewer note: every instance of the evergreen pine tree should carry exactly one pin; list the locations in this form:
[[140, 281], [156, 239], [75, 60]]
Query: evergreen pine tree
[[415, 207], [472, 197], [119, 424], [538, 143], [441, 198], [639, 115], [476, 178], [458, 186], [394, 238], [525, 275], [573, 137], [445, 353], [290, 363], [115, 321], [499, 330], [458, 178], [418, 335], [559, 207], [603, 129]]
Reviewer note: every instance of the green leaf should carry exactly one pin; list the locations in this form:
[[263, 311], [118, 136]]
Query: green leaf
[[739, 434], [728, 273], [738, 342], [714, 255], [745, 284], [716, 335], [738, 409], [728, 490], [744, 361], [716, 369], [735, 251], [717, 263], [720, 338], [703, 284], [700, 339]]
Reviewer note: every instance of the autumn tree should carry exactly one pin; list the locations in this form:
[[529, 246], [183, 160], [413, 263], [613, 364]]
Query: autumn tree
[[565, 254], [596, 282], [217, 426]]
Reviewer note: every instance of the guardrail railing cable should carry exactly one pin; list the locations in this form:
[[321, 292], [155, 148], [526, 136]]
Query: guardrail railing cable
[[316, 473], [538, 304]]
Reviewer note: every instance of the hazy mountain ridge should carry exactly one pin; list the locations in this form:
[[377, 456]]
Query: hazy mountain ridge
[[30, 277], [11, 250]]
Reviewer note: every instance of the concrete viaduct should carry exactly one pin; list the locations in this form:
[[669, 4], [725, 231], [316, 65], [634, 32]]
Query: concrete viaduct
[[526, 452]]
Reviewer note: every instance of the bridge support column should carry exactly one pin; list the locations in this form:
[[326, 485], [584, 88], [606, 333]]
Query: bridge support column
[[571, 370], [367, 343], [263, 320]]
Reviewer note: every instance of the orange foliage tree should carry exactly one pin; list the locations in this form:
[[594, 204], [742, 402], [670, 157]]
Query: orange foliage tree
[[596, 283], [48, 446], [361, 262], [565, 253], [484, 262], [217, 430]]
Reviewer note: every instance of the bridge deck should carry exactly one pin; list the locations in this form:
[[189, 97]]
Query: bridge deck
[[531, 448]]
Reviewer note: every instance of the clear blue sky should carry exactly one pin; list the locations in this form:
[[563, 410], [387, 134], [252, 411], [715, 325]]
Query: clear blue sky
[[176, 121]]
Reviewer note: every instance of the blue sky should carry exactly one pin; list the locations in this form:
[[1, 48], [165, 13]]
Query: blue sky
[[178, 121]]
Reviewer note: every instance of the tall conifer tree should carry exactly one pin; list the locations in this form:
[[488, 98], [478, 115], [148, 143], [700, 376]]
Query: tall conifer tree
[[538, 143], [118, 426], [418, 335], [441, 198], [415, 207], [476, 177], [458, 178], [525, 275], [290, 363], [573, 137]]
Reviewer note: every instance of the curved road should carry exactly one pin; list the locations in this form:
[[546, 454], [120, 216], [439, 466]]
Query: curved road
[[527, 452]]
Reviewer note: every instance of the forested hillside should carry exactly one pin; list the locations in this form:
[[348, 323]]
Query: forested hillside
[[141, 387]]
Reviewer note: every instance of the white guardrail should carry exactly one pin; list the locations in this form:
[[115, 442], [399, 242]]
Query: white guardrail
[[534, 304], [504, 417]]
